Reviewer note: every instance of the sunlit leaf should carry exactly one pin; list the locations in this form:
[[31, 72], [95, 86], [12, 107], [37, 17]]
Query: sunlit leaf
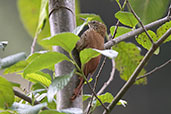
[[65, 40], [87, 54], [161, 30], [39, 77], [29, 15], [16, 67], [86, 96], [150, 10], [57, 84], [42, 15], [105, 98], [6, 93], [121, 30], [14, 84], [127, 60], [144, 40], [126, 18], [108, 98], [45, 60]]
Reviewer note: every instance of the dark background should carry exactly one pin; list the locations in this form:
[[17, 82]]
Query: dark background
[[153, 98]]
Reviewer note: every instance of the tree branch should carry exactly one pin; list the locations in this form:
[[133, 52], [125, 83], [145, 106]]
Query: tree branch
[[142, 25], [95, 84], [117, 23], [28, 99], [109, 80], [62, 19], [154, 70], [135, 32], [133, 77]]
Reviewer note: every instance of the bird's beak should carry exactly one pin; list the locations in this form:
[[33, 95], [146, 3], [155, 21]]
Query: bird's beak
[[82, 19]]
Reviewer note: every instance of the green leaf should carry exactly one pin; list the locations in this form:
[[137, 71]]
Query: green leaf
[[149, 10], [3, 44], [7, 112], [105, 98], [108, 98], [145, 42], [57, 84], [37, 86], [161, 30], [121, 30], [87, 54], [6, 93], [86, 96], [12, 59], [28, 109], [39, 77], [31, 57], [29, 15], [16, 67], [87, 15], [42, 15], [14, 84], [51, 112], [65, 40], [43, 61], [127, 60], [126, 18], [108, 53]]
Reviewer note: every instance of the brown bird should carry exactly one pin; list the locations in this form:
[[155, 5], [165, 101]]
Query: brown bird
[[91, 38]]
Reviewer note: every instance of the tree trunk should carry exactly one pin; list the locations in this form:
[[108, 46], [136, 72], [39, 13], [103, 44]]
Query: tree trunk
[[62, 19]]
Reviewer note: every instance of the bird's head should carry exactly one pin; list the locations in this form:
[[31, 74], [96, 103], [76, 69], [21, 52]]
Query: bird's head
[[98, 27]]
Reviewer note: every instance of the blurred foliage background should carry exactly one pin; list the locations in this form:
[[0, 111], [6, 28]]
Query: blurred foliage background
[[151, 98]]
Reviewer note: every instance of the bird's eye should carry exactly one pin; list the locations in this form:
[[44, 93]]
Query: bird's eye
[[93, 22]]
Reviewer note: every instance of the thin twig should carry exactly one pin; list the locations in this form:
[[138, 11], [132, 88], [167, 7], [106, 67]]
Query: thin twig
[[154, 70], [34, 42], [98, 74], [142, 25], [28, 99], [133, 77], [32, 50], [135, 32], [109, 80], [116, 28], [117, 23], [95, 84], [94, 93]]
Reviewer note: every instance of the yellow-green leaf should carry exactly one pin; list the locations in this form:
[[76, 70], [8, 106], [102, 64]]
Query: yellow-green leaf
[[65, 40], [127, 60], [126, 18], [6, 93], [161, 30], [144, 40], [43, 61]]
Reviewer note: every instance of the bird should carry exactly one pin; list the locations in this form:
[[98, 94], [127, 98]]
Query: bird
[[93, 37]]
